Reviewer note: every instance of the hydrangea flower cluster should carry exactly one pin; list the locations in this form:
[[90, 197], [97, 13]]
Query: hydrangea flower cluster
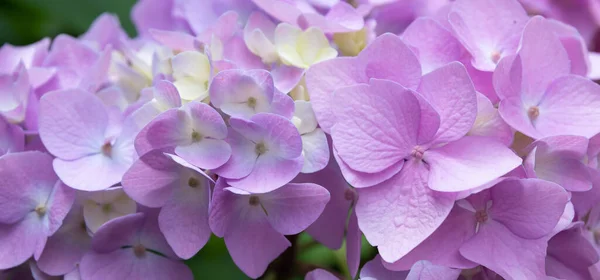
[[462, 139]]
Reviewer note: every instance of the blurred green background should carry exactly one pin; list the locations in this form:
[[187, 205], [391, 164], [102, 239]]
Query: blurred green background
[[26, 21]]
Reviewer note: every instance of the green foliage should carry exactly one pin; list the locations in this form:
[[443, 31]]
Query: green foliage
[[27, 21]]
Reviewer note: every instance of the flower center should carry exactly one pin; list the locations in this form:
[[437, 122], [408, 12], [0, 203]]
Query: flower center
[[107, 149], [260, 148], [40, 210], [196, 136], [254, 200], [417, 152], [533, 112], [481, 216], [252, 102], [139, 250], [495, 56], [349, 194], [193, 182], [106, 208]]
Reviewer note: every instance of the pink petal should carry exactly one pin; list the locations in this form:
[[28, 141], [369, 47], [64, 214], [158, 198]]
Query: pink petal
[[324, 78], [150, 179], [58, 205], [488, 29], [184, 220], [243, 157], [359, 179], [250, 239], [169, 129], [66, 247], [544, 202], [372, 132], [441, 247], [281, 10], [149, 14], [286, 77], [489, 123], [570, 261], [451, 93], [507, 77], [374, 61], [30, 55], [206, 154], [27, 181], [515, 113], [538, 44], [570, 107], [436, 46], [269, 173], [20, 240], [512, 257], [315, 150], [393, 224], [117, 233], [166, 93], [293, 207], [342, 17], [461, 165], [74, 123], [282, 105], [175, 40], [92, 173], [237, 86]]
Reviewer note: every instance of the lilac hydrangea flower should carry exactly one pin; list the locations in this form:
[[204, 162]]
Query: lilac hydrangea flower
[[64, 249], [254, 225], [373, 62], [266, 153], [183, 194], [133, 247], [196, 132], [420, 149], [34, 203], [490, 228], [539, 96], [560, 159], [242, 94], [93, 147]]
